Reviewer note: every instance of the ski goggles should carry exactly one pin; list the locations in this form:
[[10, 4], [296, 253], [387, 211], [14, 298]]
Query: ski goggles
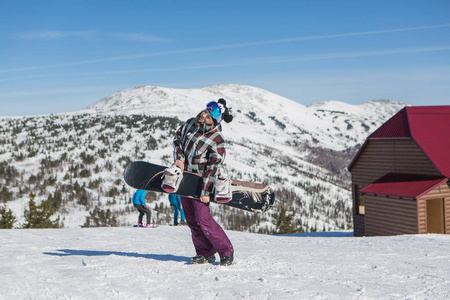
[[214, 110]]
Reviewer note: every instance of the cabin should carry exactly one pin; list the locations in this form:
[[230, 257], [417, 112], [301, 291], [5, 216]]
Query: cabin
[[400, 175]]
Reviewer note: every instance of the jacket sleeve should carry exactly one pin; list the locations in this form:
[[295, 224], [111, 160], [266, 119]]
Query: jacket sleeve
[[178, 145], [216, 156], [142, 197]]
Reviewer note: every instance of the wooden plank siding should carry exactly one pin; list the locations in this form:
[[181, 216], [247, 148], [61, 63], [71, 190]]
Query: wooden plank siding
[[440, 192], [379, 157], [447, 214], [359, 225], [422, 216], [382, 156], [390, 216]]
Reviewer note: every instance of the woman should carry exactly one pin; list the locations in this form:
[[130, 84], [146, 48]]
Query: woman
[[199, 148]]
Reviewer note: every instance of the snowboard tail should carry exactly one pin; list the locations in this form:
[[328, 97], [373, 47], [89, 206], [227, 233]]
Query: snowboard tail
[[254, 197]]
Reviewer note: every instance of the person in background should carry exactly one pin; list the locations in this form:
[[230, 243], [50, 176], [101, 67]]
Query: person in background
[[139, 204], [175, 202]]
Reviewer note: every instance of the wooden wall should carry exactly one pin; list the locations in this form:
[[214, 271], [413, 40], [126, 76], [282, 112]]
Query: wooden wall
[[382, 156], [390, 216], [441, 192], [359, 227], [447, 214], [422, 216]]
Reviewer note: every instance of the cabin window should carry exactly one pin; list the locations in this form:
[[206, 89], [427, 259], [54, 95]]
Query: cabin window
[[360, 204]]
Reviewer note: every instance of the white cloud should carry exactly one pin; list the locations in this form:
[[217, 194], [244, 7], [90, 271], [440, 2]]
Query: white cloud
[[235, 63], [281, 59], [57, 34], [139, 37], [60, 34], [352, 54], [62, 91], [147, 37]]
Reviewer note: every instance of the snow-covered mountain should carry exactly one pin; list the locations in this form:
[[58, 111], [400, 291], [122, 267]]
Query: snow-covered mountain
[[301, 150], [258, 113]]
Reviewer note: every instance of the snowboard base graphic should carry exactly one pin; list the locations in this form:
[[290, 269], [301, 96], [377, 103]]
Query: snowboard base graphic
[[254, 197]]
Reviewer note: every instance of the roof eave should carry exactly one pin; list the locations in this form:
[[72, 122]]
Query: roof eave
[[442, 181], [420, 195]]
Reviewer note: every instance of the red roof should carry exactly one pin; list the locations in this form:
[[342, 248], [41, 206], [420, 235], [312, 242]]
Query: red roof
[[396, 127], [429, 126], [404, 185]]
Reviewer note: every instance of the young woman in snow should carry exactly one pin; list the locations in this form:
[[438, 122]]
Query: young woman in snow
[[199, 147]]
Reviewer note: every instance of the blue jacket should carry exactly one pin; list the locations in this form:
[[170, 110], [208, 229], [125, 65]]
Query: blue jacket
[[139, 197]]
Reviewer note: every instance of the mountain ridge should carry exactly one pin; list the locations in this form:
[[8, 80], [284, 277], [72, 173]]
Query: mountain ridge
[[248, 104]]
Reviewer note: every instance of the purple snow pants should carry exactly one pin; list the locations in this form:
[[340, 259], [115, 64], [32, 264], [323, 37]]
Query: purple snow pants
[[208, 237]]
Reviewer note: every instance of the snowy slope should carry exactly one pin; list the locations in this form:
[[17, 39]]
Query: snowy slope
[[137, 263], [256, 111], [302, 151]]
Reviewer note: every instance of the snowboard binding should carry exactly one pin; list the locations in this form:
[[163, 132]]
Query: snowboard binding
[[222, 190], [171, 179]]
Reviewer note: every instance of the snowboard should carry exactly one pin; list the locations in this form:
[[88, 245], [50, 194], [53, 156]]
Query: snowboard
[[253, 197]]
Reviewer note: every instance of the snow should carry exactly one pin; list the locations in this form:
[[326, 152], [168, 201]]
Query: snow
[[141, 263], [291, 142], [324, 121]]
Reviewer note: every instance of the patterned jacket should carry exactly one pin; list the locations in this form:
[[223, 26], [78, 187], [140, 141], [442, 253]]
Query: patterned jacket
[[202, 151]]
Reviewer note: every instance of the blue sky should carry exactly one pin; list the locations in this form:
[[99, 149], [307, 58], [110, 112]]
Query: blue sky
[[61, 56]]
